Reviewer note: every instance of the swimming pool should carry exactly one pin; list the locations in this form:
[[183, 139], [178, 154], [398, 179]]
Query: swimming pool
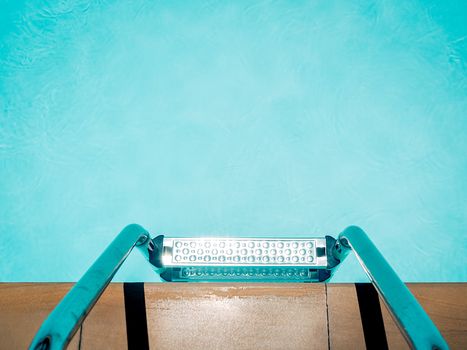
[[264, 119]]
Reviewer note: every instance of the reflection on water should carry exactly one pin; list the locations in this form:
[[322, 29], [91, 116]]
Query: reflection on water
[[215, 118]]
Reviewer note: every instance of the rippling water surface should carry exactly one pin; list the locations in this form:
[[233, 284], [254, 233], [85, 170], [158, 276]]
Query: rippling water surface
[[243, 118]]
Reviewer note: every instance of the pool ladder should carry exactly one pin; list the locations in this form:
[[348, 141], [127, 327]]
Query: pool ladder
[[62, 323]]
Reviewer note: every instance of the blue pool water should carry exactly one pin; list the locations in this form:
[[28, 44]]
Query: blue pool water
[[264, 118]]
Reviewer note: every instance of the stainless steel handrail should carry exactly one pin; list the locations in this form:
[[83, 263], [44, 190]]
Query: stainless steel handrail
[[58, 329], [418, 329]]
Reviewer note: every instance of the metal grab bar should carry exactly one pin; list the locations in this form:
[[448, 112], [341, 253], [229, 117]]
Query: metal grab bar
[[418, 329], [58, 329], [63, 322]]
